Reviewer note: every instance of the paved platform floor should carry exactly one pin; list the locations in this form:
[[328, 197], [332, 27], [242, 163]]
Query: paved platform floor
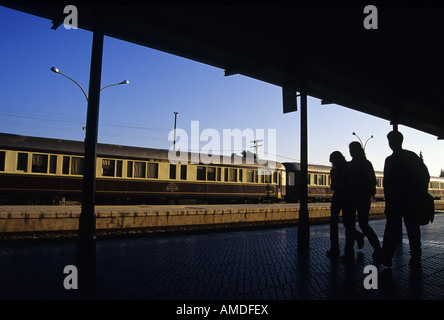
[[257, 264]]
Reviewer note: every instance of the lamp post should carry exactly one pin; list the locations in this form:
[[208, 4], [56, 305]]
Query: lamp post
[[115, 84], [86, 242], [362, 144], [56, 70]]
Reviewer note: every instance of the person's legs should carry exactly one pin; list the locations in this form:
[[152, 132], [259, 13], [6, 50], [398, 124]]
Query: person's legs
[[392, 235], [336, 206], [348, 218], [414, 234], [363, 218]]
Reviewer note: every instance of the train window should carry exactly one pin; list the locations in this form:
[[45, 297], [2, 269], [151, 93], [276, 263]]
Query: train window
[[153, 171], [108, 167], [129, 169], [219, 174], [201, 173], [275, 177], [53, 164], [267, 177], [139, 169], [119, 165], [309, 179], [211, 174], [241, 175], [232, 175], [183, 172], [172, 171], [250, 175], [22, 161], [77, 166], [291, 178], [434, 185], [315, 179], [379, 182], [39, 163], [65, 168], [2, 160]]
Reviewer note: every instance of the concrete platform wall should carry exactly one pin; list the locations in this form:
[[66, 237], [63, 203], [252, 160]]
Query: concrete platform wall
[[31, 219]]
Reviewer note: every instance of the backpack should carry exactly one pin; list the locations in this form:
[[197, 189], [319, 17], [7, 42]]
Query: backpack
[[419, 175], [426, 209]]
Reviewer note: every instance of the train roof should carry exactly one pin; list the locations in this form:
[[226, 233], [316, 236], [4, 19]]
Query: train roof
[[311, 167], [316, 168], [50, 145]]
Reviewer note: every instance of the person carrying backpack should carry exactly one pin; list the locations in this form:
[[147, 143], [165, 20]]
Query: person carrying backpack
[[406, 180]]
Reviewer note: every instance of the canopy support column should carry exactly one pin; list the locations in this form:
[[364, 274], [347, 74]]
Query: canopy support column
[[86, 244], [303, 227]]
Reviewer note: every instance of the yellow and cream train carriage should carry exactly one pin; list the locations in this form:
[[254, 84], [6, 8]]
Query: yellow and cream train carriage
[[319, 183], [42, 170]]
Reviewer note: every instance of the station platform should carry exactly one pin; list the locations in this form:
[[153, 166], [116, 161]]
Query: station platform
[[37, 220], [258, 264]]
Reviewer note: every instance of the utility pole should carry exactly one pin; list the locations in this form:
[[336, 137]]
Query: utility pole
[[175, 121], [256, 145]]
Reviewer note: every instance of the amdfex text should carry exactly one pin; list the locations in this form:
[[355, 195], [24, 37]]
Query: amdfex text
[[244, 309]]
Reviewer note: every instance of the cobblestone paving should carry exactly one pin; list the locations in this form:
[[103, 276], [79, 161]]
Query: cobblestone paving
[[258, 264]]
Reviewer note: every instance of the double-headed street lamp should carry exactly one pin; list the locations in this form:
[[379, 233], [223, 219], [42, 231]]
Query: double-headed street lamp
[[86, 245], [56, 70], [363, 144]]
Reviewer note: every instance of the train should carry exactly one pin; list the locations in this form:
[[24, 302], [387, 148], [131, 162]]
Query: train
[[319, 184], [35, 170]]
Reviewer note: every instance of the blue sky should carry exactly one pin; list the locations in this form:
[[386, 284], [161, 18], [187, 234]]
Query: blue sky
[[35, 101]]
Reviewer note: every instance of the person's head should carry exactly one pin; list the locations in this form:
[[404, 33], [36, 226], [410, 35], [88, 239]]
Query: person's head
[[395, 140], [336, 158], [356, 150]]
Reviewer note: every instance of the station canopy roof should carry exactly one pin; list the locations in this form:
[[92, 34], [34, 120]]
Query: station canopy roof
[[397, 69]]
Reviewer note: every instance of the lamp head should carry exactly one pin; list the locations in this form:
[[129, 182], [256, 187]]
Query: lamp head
[[124, 82], [54, 69]]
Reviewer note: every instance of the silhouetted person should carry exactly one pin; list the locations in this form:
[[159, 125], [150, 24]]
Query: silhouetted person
[[337, 202], [360, 186], [405, 178]]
